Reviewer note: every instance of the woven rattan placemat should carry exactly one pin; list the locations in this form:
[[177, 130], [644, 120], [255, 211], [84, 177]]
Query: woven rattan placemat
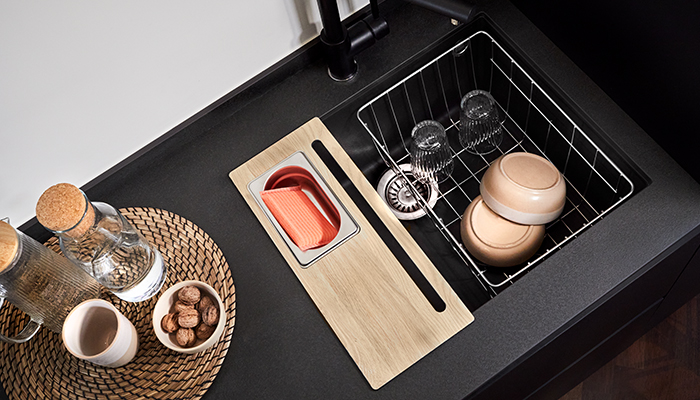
[[43, 369]]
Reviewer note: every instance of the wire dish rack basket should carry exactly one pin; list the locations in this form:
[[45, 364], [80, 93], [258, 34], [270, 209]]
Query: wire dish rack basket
[[533, 123]]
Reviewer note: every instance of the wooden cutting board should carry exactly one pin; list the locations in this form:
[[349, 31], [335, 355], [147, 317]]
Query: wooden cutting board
[[381, 317]]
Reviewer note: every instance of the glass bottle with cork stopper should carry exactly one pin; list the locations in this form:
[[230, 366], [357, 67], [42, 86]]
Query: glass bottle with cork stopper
[[40, 282], [96, 237]]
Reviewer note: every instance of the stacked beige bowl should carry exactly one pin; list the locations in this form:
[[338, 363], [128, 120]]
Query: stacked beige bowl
[[505, 225]]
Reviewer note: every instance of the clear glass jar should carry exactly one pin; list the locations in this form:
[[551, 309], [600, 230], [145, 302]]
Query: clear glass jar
[[40, 282], [110, 249]]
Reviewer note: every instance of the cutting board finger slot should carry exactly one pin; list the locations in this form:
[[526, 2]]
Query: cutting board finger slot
[[406, 262]]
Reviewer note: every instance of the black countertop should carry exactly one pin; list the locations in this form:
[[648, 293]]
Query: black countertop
[[281, 346]]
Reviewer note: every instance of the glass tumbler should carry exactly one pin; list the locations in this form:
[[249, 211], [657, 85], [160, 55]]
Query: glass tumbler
[[431, 156], [480, 129]]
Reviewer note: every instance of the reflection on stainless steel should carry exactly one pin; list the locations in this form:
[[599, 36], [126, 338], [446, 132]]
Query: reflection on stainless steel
[[396, 193]]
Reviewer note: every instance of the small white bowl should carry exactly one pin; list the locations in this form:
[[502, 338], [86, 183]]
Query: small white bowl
[[524, 188], [165, 303]]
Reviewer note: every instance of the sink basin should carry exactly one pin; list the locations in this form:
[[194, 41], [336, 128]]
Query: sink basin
[[375, 128]]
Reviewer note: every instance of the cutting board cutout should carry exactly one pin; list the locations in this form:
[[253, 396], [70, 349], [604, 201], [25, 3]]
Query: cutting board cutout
[[375, 309]]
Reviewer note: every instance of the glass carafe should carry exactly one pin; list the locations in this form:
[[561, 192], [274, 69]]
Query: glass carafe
[[109, 248], [41, 283]]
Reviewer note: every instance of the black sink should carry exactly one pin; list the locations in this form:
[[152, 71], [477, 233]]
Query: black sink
[[374, 128]]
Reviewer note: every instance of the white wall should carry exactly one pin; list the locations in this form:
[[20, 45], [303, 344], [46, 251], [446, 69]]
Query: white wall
[[85, 83]]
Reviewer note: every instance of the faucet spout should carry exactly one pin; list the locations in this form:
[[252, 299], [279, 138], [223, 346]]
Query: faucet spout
[[342, 44], [460, 10]]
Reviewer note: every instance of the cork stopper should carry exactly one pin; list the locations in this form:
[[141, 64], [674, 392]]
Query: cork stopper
[[63, 208], [9, 244]]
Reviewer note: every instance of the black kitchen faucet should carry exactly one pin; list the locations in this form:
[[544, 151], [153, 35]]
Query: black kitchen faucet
[[341, 44]]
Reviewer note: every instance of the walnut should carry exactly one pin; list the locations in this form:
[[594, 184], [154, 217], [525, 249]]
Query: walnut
[[188, 318], [169, 323], [185, 337], [179, 306], [210, 315], [189, 294], [204, 302], [203, 331]]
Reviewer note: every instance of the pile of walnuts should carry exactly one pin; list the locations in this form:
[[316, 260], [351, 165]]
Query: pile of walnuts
[[193, 316]]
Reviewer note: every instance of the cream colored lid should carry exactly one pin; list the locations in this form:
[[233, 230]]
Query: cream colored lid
[[530, 171], [9, 243], [524, 188]]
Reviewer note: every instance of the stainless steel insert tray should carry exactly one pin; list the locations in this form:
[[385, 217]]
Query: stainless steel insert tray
[[348, 226]]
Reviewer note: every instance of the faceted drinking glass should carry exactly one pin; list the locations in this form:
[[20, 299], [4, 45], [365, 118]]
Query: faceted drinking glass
[[431, 156], [480, 130]]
